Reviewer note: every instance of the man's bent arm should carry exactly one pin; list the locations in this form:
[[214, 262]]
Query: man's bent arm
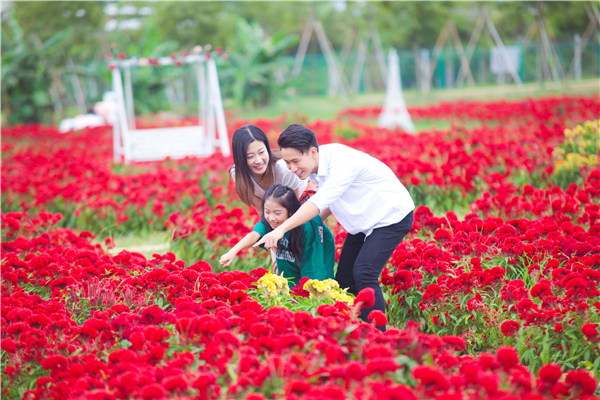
[[304, 214]]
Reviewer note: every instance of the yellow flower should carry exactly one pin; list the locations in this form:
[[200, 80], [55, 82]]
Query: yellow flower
[[320, 289], [589, 125], [592, 160], [273, 285], [558, 152], [580, 148], [341, 296], [569, 133]]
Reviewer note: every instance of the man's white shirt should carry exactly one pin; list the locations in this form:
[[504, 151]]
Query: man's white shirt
[[362, 193]]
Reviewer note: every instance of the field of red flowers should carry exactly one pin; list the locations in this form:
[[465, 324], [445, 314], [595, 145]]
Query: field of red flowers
[[494, 293]]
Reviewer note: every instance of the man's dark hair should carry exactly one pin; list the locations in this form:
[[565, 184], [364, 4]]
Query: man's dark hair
[[298, 137]]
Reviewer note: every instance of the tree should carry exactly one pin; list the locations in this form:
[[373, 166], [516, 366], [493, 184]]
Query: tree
[[26, 72], [255, 59], [195, 23], [47, 18]]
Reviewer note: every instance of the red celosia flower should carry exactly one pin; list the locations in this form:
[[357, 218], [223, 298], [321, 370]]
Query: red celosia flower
[[255, 396], [509, 328], [366, 298], [456, 343], [382, 365], [541, 290], [303, 320], [55, 363], [154, 315], [396, 392], [122, 355], [508, 357], [8, 345], [550, 373], [219, 292], [138, 340], [526, 305], [204, 380], [297, 387], [378, 318], [120, 323], [355, 371], [590, 331], [558, 328], [470, 370], [153, 391], [490, 382], [10, 370], [430, 378], [581, 382], [520, 377], [325, 310]]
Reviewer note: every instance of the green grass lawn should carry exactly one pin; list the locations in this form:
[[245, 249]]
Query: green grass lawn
[[325, 107], [155, 242]]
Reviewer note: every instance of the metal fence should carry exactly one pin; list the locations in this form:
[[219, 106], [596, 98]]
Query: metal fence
[[533, 66]]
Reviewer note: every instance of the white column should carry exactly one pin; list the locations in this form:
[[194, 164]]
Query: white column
[[394, 113], [217, 105], [121, 114]]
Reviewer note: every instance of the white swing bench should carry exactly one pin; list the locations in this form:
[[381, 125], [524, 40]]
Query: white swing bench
[[131, 144]]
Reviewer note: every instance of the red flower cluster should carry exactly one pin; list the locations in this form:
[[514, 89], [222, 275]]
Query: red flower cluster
[[210, 339], [545, 109]]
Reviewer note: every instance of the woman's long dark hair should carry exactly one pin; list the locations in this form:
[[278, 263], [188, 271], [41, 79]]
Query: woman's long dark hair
[[286, 197], [244, 178]]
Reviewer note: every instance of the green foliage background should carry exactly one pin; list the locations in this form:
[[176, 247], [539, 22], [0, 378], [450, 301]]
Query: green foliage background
[[45, 43]]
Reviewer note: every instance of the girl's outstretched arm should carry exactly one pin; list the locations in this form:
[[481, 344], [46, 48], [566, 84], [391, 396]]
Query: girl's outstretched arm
[[247, 241]]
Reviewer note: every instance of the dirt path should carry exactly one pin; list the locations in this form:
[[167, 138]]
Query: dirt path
[[143, 249]]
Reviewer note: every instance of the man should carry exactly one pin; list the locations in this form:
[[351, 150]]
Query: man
[[365, 197]]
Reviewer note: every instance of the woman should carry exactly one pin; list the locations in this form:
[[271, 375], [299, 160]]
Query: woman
[[256, 168]]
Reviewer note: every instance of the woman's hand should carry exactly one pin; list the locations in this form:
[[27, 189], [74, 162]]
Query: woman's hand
[[227, 259]]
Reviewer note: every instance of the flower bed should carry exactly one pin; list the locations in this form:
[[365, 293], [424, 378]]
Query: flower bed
[[79, 323], [495, 291]]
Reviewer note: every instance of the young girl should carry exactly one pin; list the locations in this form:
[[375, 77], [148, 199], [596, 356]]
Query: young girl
[[305, 251], [256, 168]]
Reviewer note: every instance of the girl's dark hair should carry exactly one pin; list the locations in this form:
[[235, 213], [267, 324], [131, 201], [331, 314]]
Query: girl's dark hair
[[286, 197], [244, 178], [298, 137]]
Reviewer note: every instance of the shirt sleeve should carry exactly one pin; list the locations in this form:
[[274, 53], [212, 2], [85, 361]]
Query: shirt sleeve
[[260, 228], [342, 173]]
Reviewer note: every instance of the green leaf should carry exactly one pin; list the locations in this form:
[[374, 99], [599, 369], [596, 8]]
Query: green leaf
[[545, 355], [57, 39], [40, 98]]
